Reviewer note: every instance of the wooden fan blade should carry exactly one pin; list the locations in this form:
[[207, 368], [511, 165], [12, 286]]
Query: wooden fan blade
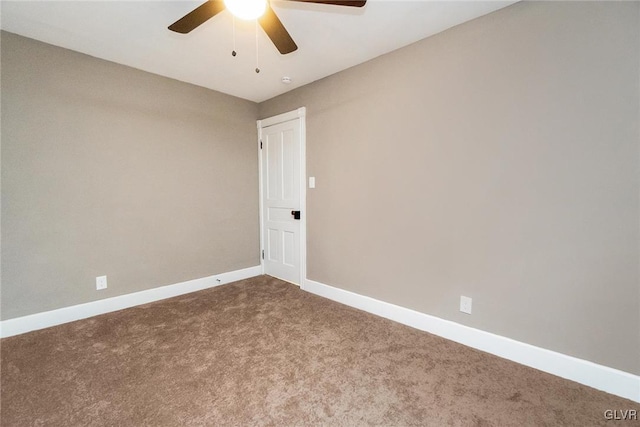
[[271, 25], [197, 16], [350, 3]]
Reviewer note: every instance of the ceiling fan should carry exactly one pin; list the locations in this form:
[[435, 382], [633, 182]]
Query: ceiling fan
[[251, 9]]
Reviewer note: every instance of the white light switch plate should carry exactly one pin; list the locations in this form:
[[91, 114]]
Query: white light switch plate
[[312, 182]]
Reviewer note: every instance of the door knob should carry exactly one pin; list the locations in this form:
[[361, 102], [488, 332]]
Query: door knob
[[296, 214]]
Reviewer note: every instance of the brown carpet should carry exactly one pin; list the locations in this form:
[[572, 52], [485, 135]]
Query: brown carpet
[[262, 352]]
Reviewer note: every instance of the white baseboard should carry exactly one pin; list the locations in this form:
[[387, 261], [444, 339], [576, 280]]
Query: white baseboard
[[600, 377], [20, 325]]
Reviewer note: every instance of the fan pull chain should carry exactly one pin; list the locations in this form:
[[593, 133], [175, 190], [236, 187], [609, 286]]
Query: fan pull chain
[[233, 52], [257, 68]]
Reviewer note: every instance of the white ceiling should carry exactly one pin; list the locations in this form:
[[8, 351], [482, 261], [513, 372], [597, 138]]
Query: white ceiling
[[329, 38]]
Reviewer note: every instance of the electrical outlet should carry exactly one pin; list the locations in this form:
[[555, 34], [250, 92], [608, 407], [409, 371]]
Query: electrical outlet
[[101, 282], [465, 304]]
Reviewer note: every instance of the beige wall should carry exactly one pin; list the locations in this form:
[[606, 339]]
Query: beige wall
[[497, 160], [110, 170]]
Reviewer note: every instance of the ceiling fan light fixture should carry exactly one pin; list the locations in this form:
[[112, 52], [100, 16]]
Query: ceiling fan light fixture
[[246, 9]]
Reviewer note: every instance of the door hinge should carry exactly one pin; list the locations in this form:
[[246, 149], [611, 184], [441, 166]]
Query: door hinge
[[261, 144], [263, 254]]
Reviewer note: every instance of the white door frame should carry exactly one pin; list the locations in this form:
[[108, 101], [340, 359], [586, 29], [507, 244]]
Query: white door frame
[[300, 113]]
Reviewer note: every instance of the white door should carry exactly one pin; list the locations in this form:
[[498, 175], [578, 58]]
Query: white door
[[281, 200]]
